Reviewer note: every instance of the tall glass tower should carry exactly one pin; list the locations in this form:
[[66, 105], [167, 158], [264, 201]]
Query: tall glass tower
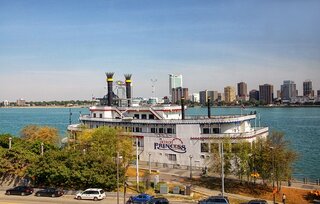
[[175, 81]]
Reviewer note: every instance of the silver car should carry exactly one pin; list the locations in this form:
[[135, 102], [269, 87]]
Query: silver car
[[91, 194]]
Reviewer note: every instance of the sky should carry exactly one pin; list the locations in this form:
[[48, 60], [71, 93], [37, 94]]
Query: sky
[[60, 50]]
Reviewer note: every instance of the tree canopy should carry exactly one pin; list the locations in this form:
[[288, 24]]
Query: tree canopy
[[43, 134], [67, 167]]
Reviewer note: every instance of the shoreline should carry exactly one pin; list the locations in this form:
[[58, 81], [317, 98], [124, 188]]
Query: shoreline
[[26, 107], [245, 107]]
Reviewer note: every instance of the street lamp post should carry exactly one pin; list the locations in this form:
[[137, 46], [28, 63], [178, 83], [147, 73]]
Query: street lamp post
[[149, 163], [273, 193], [124, 192], [10, 142], [117, 177], [41, 148], [190, 166], [222, 170], [137, 163]]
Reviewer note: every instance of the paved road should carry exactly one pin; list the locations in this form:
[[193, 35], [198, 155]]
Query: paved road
[[66, 199]]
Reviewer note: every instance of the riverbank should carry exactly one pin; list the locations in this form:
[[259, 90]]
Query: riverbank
[[26, 107]]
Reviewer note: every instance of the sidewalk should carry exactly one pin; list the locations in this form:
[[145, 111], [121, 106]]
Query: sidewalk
[[179, 176]]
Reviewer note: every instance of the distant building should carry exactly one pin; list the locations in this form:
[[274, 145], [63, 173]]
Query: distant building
[[203, 95], [254, 95], [195, 97], [288, 90], [213, 95], [220, 96], [266, 93], [242, 91], [307, 88], [21, 102], [175, 81], [178, 93], [278, 94], [166, 100], [318, 93], [6, 103], [229, 94]]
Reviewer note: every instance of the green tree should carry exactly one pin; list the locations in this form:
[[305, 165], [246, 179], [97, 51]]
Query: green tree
[[282, 155], [96, 166], [14, 162], [242, 152]]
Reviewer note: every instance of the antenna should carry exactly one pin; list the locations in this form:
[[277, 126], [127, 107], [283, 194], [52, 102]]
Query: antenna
[[153, 85]]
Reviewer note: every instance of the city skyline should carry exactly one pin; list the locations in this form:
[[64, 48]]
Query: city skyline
[[61, 50]]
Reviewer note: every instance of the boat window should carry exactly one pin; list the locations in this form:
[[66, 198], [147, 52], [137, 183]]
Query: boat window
[[204, 147], [161, 130], [153, 130], [94, 115], [172, 157], [169, 130], [137, 129], [100, 115], [143, 116], [205, 131], [215, 130], [136, 116], [151, 116]]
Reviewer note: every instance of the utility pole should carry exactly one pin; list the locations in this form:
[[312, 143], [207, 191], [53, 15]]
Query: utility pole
[[222, 170], [117, 177], [41, 148], [10, 142], [149, 163], [190, 166], [273, 193], [137, 162]]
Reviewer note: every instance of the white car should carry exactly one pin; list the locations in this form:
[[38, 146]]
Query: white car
[[91, 194]]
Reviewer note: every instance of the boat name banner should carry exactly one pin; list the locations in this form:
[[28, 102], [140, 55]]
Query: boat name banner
[[175, 145]]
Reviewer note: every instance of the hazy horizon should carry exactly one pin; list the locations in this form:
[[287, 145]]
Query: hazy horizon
[[57, 50]]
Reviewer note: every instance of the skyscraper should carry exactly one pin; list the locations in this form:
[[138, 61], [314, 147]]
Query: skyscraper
[[242, 91], [307, 88], [195, 98], [254, 95], [178, 93], [288, 90], [266, 93], [175, 81], [229, 94], [205, 94]]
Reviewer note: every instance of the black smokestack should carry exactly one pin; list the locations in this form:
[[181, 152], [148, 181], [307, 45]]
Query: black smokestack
[[209, 107], [110, 92], [182, 108], [128, 88]]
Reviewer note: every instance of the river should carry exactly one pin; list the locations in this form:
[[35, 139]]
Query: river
[[300, 125]]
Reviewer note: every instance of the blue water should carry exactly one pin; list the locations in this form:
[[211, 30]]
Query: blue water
[[300, 125], [12, 120]]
